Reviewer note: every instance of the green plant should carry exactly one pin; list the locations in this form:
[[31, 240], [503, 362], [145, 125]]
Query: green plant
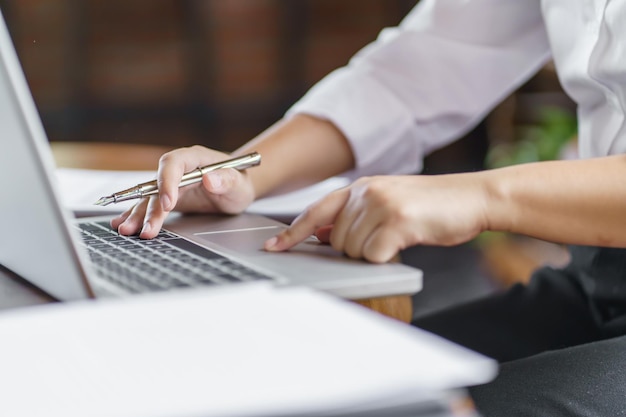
[[543, 141]]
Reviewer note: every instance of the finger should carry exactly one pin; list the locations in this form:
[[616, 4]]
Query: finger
[[131, 221], [355, 222], [356, 206], [318, 214], [153, 220], [220, 181], [117, 221], [323, 233], [358, 232], [173, 165], [382, 245], [145, 218], [225, 190], [343, 222]]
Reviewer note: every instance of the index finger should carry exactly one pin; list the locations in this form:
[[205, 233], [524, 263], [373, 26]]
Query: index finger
[[319, 214]]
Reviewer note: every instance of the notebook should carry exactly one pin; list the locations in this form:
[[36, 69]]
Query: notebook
[[43, 243]]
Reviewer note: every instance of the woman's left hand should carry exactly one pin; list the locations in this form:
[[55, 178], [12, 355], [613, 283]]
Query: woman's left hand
[[376, 217]]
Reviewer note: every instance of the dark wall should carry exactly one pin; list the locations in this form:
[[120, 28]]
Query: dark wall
[[180, 72]]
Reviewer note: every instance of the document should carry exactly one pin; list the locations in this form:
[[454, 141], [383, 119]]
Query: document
[[244, 350], [80, 188]]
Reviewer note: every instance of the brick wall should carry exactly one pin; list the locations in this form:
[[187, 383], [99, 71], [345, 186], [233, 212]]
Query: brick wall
[[180, 72]]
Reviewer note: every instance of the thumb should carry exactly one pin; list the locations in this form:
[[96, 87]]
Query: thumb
[[221, 181]]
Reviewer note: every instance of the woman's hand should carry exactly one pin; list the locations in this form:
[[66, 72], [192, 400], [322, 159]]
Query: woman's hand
[[376, 217], [223, 191], [291, 150]]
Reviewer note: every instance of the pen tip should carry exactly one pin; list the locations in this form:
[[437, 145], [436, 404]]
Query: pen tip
[[104, 201]]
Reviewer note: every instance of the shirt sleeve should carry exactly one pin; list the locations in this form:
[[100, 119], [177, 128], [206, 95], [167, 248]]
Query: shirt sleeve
[[429, 80]]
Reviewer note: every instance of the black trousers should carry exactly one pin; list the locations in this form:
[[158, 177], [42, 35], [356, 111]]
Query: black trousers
[[558, 339]]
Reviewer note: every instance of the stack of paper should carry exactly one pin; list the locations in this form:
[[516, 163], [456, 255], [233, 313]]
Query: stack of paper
[[248, 350]]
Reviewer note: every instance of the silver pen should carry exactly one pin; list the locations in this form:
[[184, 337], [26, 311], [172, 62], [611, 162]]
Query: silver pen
[[149, 188]]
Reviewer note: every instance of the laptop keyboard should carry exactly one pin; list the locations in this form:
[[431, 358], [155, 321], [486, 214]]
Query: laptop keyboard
[[165, 262]]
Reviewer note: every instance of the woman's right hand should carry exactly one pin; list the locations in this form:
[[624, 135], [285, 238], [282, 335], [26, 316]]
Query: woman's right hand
[[221, 191]]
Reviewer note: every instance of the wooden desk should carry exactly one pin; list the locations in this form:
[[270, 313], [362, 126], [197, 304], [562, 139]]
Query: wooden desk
[[139, 157]]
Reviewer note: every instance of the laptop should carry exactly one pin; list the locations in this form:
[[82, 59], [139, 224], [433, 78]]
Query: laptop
[[74, 259]]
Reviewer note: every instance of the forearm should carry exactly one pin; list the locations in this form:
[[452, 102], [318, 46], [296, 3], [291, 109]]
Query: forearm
[[296, 152], [573, 202]]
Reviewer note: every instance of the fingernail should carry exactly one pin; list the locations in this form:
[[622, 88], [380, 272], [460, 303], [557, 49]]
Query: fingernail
[[166, 202], [216, 181], [271, 243]]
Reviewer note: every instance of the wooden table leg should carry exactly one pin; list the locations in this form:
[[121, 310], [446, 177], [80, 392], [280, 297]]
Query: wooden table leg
[[399, 307]]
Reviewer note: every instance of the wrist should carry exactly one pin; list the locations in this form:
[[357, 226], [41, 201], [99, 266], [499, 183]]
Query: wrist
[[498, 212], [297, 152]]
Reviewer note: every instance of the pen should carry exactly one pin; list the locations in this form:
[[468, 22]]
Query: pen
[[149, 188]]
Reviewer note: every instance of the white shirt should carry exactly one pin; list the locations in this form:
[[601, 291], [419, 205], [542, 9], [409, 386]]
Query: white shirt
[[428, 81]]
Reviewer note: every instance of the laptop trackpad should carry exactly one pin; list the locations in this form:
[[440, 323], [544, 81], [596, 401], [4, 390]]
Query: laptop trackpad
[[250, 241]]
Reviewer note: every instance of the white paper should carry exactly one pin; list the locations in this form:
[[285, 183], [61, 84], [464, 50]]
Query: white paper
[[230, 351], [293, 203], [80, 188]]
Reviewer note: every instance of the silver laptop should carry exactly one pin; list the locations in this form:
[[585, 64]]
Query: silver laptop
[[78, 258]]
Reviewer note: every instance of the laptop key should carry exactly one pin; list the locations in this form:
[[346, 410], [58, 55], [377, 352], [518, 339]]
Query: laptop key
[[168, 261]]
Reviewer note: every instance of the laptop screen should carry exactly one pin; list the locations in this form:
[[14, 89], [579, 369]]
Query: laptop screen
[[36, 238]]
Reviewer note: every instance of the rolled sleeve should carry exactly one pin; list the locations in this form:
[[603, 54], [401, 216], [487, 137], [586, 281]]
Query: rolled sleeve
[[428, 81]]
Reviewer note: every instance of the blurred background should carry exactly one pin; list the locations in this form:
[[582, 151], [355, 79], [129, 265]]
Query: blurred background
[[181, 72], [218, 72]]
